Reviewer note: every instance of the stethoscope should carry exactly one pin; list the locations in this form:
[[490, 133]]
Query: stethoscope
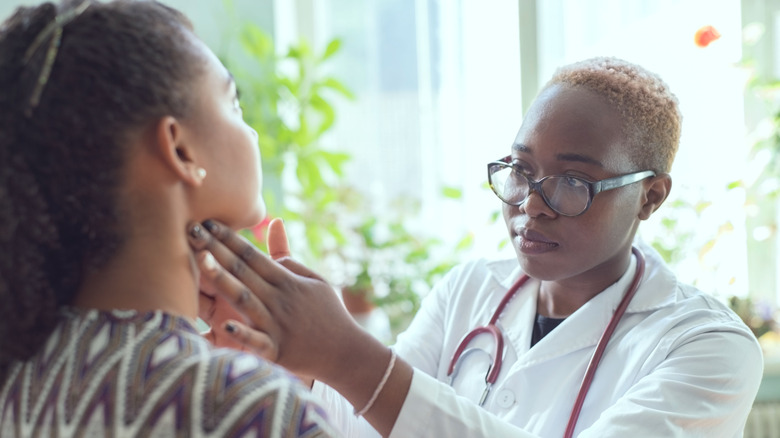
[[495, 332]]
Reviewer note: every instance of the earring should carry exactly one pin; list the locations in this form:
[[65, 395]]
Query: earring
[[201, 173]]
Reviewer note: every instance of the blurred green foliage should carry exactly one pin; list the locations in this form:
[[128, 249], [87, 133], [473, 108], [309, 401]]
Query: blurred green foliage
[[385, 260], [289, 101], [760, 188]]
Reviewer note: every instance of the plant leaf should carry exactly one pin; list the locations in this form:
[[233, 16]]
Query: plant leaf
[[336, 160], [333, 47], [336, 85], [257, 42], [327, 112], [465, 243], [452, 192]]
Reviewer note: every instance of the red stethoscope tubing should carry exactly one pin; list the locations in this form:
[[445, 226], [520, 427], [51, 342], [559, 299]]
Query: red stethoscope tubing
[[491, 328], [602, 345]]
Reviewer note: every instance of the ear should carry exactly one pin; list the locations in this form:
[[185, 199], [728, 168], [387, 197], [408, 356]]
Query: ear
[[176, 152], [656, 189]]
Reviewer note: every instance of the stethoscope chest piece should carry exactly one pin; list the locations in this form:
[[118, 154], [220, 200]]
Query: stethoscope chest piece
[[488, 384], [495, 360]]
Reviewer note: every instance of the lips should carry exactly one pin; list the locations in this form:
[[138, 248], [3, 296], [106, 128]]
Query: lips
[[535, 236], [533, 242]]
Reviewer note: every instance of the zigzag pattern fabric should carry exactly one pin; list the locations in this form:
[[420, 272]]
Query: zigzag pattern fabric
[[129, 374]]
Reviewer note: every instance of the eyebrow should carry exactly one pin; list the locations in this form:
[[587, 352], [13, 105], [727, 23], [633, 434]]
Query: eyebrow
[[519, 147]]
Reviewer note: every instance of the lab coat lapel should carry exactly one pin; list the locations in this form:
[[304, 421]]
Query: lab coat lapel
[[517, 320], [582, 329]]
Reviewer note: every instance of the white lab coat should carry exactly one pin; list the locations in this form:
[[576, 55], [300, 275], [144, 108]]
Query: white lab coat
[[680, 363]]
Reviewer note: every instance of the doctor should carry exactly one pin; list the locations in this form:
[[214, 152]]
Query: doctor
[[580, 335]]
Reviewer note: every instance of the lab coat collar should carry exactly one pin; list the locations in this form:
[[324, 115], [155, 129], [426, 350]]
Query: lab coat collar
[[583, 328], [658, 278], [659, 284]]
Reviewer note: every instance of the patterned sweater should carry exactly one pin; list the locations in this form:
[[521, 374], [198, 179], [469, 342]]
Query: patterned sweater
[[129, 374]]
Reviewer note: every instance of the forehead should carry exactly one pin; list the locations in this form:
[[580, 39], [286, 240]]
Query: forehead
[[212, 65], [209, 91], [574, 120], [214, 81]]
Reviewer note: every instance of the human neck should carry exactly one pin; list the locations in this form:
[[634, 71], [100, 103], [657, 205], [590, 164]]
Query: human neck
[[154, 270], [559, 299]]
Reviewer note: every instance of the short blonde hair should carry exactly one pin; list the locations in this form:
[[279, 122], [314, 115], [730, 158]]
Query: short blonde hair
[[651, 114]]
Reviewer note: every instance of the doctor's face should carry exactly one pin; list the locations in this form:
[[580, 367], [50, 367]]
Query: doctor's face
[[573, 131]]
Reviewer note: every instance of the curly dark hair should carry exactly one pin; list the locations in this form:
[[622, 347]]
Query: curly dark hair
[[121, 66]]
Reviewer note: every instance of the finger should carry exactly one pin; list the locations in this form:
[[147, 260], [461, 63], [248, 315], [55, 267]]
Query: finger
[[215, 310], [206, 307], [209, 335], [219, 337], [296, 268], [256, 341], [236, 292], [236, 253], [214, 259], [278, 246], [207, 287]]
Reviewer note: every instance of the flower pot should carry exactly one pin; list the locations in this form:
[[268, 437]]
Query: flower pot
[[357, 300]]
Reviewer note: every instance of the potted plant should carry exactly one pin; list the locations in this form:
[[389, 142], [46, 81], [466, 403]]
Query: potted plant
[[386, 262]]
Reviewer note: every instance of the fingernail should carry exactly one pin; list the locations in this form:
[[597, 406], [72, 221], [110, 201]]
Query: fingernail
[[210, 225], [230, 327], [196, 232], [209, 263]]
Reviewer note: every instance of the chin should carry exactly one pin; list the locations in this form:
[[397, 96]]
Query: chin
[[256, 217], [249, 218], [537, 269]]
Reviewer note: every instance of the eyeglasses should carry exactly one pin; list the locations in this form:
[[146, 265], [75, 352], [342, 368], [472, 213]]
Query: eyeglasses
[[566, 195]]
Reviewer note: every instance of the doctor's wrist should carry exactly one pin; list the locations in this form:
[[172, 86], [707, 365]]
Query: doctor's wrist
[[385, 410], [379, 387]]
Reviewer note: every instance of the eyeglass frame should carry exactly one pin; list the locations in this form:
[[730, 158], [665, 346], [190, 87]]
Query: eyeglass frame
[[594, 187]]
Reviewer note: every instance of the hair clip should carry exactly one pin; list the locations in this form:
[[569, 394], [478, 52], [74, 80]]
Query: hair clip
[[53, 30]]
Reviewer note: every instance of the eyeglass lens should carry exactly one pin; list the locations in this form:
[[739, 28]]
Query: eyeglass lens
[[566, 195]]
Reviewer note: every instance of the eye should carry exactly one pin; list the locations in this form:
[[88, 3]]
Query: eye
[[237, 102], [572, 181], [522, 167]]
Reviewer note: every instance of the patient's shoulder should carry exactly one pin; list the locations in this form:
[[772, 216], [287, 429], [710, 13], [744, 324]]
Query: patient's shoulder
[[242, 392]]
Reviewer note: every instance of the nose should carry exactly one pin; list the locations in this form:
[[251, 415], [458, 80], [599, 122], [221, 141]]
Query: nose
[[536, 206]]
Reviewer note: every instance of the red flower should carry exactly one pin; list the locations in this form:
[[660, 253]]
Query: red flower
[[705, 35], [260, 230]]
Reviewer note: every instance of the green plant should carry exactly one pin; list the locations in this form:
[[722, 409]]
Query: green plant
[[758, 317], [287, 100], [678, 223], [385, 258], [761, 183], [683, 232]]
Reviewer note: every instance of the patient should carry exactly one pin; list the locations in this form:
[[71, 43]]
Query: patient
[[119, 127]]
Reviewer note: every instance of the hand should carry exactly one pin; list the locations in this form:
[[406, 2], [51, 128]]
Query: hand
[[212, 306], [284, 311], [295, 317], [215, 311]]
